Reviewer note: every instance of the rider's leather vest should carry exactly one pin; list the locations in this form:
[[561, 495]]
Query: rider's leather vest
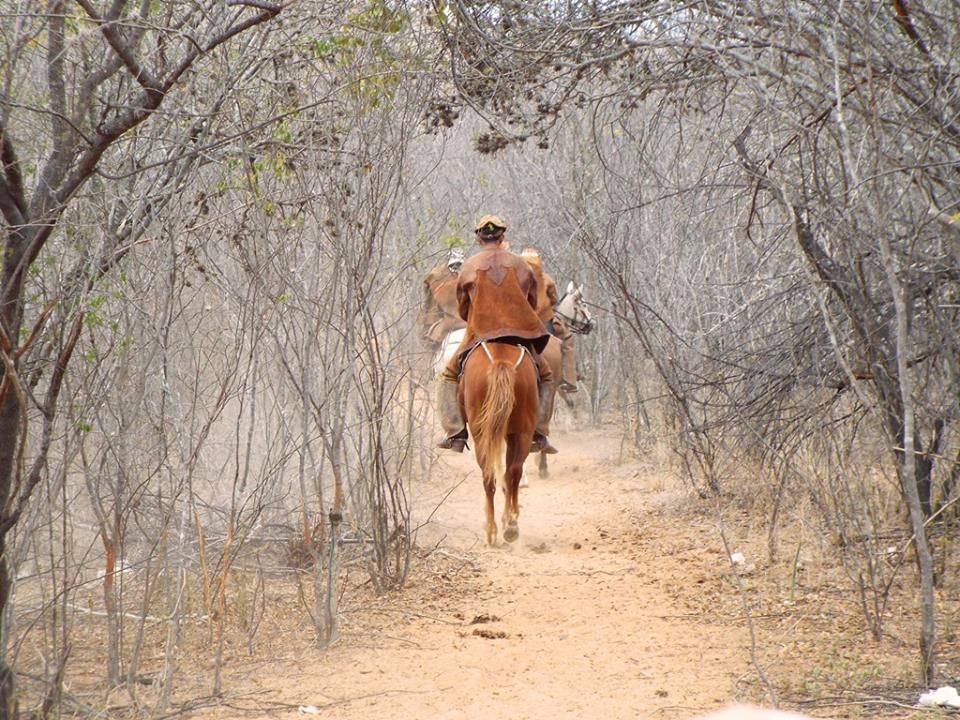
[[497, 294], [436, 295]]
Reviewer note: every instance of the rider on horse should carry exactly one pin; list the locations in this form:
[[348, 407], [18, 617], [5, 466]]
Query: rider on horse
[[497, 296], [439, 313], [547, 299]]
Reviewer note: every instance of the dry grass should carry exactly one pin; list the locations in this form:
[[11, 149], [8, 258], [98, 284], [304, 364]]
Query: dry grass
[[814, 645]]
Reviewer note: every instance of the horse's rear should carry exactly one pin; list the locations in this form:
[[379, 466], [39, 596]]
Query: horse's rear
[[500, 401]]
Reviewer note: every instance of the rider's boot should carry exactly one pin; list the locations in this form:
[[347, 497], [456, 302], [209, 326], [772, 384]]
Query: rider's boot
[[568, 365], [541, 443], [448, 406]]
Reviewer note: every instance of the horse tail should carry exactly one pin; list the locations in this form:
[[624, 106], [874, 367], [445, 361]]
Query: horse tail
[[493, 420]]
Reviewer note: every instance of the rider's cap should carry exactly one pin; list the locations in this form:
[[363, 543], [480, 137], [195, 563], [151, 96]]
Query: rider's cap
[[456, 258], [490, 224]]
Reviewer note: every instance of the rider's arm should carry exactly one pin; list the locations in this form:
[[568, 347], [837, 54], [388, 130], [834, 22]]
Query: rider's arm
[[464, 286], [532, 291]]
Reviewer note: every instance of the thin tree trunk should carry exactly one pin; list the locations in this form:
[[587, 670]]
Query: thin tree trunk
[[333, 570], [908, 471], [110, 606]]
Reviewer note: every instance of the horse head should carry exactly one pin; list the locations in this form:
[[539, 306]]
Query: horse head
[[571, 308]]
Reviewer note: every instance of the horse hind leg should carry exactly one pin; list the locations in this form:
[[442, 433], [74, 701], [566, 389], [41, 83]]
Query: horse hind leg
[[511, 513], [511, 501], [490, 489]]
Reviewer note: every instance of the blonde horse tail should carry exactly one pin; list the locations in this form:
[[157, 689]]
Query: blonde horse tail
[[493, 420]]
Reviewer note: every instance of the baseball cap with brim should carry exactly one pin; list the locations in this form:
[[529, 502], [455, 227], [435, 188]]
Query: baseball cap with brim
[[490, 224]]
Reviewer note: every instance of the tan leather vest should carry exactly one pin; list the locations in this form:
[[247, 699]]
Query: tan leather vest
[[497, 294]]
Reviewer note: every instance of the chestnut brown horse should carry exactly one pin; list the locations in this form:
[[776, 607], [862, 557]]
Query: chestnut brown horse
[[498, 395]]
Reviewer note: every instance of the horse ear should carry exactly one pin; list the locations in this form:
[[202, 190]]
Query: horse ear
[[570, 287], [580, 288]]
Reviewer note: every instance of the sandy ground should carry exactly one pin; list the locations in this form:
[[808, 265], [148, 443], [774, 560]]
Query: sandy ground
[[601, 609]]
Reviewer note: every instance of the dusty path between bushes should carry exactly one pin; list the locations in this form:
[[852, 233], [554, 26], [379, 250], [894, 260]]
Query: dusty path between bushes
[[602, 609]]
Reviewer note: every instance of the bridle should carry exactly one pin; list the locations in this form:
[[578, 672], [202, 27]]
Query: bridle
[[581, 323], [581, 327]]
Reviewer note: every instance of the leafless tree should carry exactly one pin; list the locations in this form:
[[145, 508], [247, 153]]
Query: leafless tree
[[102, 73]]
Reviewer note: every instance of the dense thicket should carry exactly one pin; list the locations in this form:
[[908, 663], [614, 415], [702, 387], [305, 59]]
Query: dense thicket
[[216, 216]]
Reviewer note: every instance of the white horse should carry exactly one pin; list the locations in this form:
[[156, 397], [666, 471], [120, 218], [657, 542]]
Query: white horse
[[447, 350], [572, 310]]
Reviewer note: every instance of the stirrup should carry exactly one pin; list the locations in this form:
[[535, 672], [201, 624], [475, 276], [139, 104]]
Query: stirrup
[[457, 442], [542, 444], [566, 388]]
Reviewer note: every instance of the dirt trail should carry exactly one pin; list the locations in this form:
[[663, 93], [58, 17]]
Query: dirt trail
[[597, 611]]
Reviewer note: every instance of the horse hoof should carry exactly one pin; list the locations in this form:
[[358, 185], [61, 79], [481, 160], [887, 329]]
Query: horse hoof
[[511, 533]]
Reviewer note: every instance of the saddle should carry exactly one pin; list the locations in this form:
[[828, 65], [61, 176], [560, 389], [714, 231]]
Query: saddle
[[534, 355]]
